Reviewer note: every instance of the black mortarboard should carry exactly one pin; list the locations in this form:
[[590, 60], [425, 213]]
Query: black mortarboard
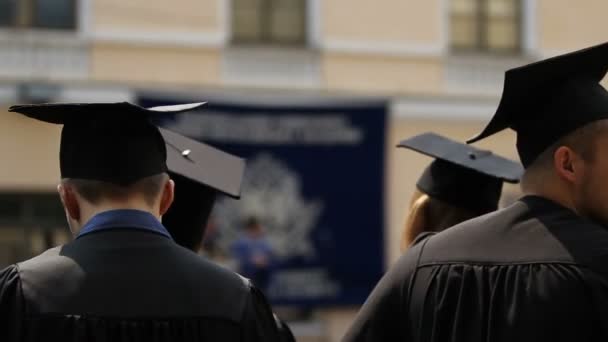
[[204, 164], [546, 100], [462, 175], [110, 142], [199, 172]]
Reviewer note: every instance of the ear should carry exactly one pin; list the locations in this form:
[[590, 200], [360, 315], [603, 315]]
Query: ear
[[566, 164], [167, 196], [69, 200]]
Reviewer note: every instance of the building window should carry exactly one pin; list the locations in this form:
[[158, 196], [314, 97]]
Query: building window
[[486, 25], [38, 14], [29, 224], [31, 208], [269, 22]]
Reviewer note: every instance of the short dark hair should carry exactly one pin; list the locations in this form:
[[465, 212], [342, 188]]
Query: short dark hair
[[94, 191], [582, 141], [252, 222]]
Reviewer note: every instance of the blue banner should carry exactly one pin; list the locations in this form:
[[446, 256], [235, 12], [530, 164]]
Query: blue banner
[[314, 187]]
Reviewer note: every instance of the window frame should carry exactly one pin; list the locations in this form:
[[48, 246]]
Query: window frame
[[33, 208], [266, 38], [25, 18], [37, 213], [482, 19]]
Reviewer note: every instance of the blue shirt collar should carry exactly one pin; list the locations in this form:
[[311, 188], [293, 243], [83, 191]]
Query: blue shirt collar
[[124, 219]]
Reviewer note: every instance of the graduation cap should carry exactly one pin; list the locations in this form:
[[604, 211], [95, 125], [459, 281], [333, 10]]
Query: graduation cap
[[200, 172], [462, 175], [546, 100], [203, 164], [110, 142]]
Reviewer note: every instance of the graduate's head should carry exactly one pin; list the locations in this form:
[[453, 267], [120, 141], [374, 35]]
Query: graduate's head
[[463, 182], [110, 157], [573, 171], [200, 172], [559, 110], [82, 198]]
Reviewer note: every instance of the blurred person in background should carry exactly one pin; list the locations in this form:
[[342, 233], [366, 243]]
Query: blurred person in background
[[123, 278], [254, 253], [200, 172], [210, 246], [460, 184], [536, 270]]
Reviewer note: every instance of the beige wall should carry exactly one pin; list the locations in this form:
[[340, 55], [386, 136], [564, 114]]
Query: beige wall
[[405, 166], [380, 74], [398, 21], [569, 25], [30, 153], [157, 15], [155, 64]]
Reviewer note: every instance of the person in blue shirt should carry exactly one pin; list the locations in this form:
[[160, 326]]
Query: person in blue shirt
[[254, 254], [196, 187]]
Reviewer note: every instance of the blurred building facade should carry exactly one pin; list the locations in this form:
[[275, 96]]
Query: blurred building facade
[[441, 63]]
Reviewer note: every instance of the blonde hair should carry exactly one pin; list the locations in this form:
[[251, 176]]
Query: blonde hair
[[430, 214]]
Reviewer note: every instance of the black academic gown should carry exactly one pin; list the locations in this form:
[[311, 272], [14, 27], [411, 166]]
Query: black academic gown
[[534, 271], [129, 285]]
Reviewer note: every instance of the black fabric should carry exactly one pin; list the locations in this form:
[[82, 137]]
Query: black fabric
[[285, 331], [546, 100], [129, 285], [460, 186], [534, 271]]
